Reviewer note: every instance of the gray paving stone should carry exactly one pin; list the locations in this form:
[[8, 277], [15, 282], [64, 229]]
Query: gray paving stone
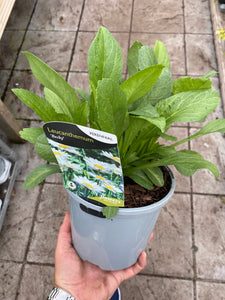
[[212, 148], [174, 44], [18, 222], [197, 17], [169, 252], [209, 220], [210, 291], [53, 47], [59, 15], [154, 16], [9, 278], [52, 208], [19, 18], [30, 158], [4, 75], [37, 282], [84, 41], [200, 54], [155, 288], [9, 46], [79, 79], [115, 16]]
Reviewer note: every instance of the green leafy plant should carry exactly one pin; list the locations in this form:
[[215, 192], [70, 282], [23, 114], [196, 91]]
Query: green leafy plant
[[139, 110]]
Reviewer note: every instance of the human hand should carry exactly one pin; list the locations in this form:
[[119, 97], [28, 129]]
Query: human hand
[[82, 279]]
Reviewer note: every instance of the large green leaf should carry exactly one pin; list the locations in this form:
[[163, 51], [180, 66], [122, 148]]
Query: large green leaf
[[159, 122], [213, 126], [105, 59], [142, 107], [53, 81], [187, 83], [146, 57], [183, 160], [31, 134], [132, 58], [155, 175], [191, 106], [43, 149], [39, 174], [162, 54], [141, 178], [57, 103], [39, 105], [141, 82], [162, 89], [111, 106]]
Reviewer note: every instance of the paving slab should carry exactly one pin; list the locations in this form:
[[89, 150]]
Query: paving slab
[[154, 16], [200, 54], [37, 282], [197, 17], [53, 205], [53, 47], [170, 251], [9, 46], [59, 15], [210, 291], [18, 223], [116, 15], [9, 278], [4, 75], [154, 288], [209, 224], [19, 18], [212, 148]]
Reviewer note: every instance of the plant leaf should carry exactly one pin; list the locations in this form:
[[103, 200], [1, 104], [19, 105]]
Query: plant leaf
[[54, 82], [84, 112], [31, 134], [155, 175], [190, 106], [132, 58], [39, 174], [39, 105], [43, 149], [159, 122], [105, 59], [141, 82], [57, 103], [109, 211], [211, 127], [141, 178], [184, 159], [146, 57], [162, 54], [187, 83], [111, 106], [143, 108], [85, 96]]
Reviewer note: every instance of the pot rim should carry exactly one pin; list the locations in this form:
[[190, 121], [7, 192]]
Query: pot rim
[[135, 210]]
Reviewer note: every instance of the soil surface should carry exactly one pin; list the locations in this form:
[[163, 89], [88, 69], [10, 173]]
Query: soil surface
[[138, 196]]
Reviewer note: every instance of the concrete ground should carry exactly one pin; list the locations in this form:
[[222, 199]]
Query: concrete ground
[[186, 258]]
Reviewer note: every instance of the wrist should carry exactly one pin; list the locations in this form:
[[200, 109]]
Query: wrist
[[59, 294]]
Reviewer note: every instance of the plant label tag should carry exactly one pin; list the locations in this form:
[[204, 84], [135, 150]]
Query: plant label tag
[[89, 162]]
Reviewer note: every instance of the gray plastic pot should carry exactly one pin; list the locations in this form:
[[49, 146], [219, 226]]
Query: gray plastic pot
[[116, 243]]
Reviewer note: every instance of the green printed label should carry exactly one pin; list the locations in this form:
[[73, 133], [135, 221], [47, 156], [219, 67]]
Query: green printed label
[[89, 161]]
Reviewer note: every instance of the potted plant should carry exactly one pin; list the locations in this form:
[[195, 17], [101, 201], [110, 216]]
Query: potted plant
[[138, 110]]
